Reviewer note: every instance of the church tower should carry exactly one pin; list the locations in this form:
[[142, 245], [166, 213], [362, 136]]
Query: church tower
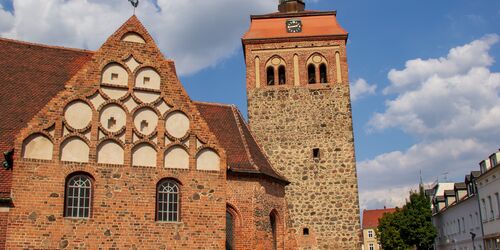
[[300, 111]]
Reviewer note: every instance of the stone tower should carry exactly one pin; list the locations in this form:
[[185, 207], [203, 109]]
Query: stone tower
[[300, 111]]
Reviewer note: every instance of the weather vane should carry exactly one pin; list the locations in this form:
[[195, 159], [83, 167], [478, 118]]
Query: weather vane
[[134, 3]]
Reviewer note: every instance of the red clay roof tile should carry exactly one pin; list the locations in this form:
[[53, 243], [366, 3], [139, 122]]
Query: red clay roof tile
[[371, 217], [243, 152], [314, 24], [30, 75]]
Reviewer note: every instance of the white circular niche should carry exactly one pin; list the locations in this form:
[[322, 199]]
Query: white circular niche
[[78, 114], [113, 117], [145, 121], [177, 124]]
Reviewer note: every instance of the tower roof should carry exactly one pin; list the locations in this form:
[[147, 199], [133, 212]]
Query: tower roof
[[314, 24]]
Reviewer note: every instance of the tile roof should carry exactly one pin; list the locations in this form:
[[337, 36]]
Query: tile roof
[[244, 155], [24, 68], [31, 74], [371, 217], [314, 24]]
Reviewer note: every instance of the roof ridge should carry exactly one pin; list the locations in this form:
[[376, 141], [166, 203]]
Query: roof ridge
[[235, 112], [214, 103], [45, 45]]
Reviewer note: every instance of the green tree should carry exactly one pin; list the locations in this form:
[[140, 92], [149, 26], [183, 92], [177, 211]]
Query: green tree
[[409, 226], [388, 231]]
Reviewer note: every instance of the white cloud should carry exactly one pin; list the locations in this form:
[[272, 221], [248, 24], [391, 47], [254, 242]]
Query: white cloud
[[459, 61], [451, 106], [447, 101], [361, 88], [389, 177], [193, 33], [6, 19]]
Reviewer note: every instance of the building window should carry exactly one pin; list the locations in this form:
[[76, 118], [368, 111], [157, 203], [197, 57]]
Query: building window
[[492, 213], [323, 78], [370, 234], [167, 201], [498, 205], [483, 207], [270, 75], [311, 73], [493, 160], [272, 218], [371, 247], [282, 75], [305, 231], [78, 196], [229, 231], [316, 153]]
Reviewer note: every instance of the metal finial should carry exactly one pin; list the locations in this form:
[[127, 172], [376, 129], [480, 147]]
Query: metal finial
[[134, 3]]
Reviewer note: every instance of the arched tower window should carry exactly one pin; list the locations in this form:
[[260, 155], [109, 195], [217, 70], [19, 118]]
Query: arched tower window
[[270, 75], [311, 73], [323, 78], [317, 69], [273, 221], [78, 196], [167, 201], [282, 75]]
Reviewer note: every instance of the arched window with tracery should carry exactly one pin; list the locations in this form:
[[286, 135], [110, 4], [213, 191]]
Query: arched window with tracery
[[270, 75], [323, 77], [311, 74], [78, 196], [317, 69], [276, 70], [167, 201], [282, 75]]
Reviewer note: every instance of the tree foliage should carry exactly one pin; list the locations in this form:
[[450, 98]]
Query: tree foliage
[[410, 226]]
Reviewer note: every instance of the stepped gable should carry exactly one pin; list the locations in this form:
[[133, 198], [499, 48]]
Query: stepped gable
[[31, 75], [244, 155], [119, 49]]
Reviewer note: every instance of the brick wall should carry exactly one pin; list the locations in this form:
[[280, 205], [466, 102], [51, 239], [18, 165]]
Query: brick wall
[[123, 208], [3, 228], [254, 199]]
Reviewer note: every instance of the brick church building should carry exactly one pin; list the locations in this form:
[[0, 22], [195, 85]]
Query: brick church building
[[105, 150]]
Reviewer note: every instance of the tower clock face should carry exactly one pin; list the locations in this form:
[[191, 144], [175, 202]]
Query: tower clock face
[[293, 25]]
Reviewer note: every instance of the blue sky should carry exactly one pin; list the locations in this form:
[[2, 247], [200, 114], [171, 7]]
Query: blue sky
[[447, 35]]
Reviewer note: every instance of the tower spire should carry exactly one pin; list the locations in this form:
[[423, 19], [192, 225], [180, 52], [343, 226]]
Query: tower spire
[[290, 6]]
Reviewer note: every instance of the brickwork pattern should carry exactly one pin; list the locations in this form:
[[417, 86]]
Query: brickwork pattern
[[123, 209], [289, 121]]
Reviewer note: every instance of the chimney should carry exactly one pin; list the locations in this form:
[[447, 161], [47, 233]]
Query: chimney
[[291, 6]]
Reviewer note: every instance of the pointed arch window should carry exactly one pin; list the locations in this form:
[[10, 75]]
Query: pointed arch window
[[270, 75], [167, 201], [311, 73], [273, 221], [323, 77], [282, 75], [229, 231], [78, 196]]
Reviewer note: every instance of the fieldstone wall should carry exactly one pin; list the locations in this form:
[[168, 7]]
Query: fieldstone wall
[[290, 121]]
